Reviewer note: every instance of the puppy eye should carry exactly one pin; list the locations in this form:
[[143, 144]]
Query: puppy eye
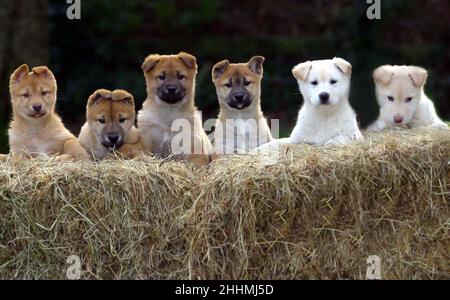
[[181, 77], [390, 98], [26, 95], [246, 82], [229, 85], [122, 120], [409, 99], [162, 77], [314, 82], [333, 81], [101, 121], [44, 93]]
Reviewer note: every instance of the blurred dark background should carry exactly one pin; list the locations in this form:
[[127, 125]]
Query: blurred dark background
[[108, 45]]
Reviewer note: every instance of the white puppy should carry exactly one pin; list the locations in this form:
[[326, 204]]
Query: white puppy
[[326, 116], [400, 94]]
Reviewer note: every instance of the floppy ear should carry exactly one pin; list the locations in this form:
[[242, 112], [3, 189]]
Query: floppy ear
[[43, 72], [189, 60], [19, 74], [301, 71], [123, 97], [219, 69], [98, 96], [343, 65], [383, 75], [418, 76], [256, 64], [150, 62]]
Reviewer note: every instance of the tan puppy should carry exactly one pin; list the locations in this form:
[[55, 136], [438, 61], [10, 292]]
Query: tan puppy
[[110, 125], [36, 128], [241, 126], [169, 122], [400, 94]]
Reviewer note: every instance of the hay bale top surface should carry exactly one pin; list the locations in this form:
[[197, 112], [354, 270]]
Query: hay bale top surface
[[317, 213]]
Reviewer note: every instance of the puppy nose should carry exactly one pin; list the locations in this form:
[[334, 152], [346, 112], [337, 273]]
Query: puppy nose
[[239, 97], [113, 138], [398, 119], [171, 89], [37, 107], [324, 97]]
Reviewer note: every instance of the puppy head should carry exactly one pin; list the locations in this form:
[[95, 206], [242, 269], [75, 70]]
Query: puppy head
[[170, 78], [324, 82], [111, 116], [33, 94], [399, 90], [238, 86]]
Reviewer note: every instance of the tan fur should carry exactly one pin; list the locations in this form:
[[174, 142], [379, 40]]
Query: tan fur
[[39, 133], [112, 107], [246, 128], [157, 117]]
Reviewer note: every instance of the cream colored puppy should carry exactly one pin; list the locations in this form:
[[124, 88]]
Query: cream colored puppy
[[400, 94], [326, 116], [169, 122]]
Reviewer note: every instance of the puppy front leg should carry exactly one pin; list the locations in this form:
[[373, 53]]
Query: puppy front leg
[[3, 158], [64, 157], [130, 151], [73, 147], [338, 140]]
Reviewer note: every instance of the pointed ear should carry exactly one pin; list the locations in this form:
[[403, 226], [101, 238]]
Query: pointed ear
[[343, 65], [44, 72], [98, 96], [256, 64], [150, 62], [383, 75], [19, 74], [219, 69], [189, 60], [418, 76], [123, 97], [301, 71]]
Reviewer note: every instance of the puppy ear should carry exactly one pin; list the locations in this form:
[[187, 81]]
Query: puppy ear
[[44, 72], [123, 97], [301, 71], [418, 76], [343, 65], [150, 62], [19, 74], [219, 69], [383, 75], [98, 96], [189, 60], [256, 64]]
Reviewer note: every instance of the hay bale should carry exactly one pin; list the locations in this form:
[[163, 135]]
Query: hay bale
[[318, 213]]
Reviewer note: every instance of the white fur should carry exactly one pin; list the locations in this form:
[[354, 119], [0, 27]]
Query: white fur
[[397, 82]]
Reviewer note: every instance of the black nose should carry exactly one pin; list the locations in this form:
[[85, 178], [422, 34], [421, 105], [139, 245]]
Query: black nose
[[171, 89], [239, 97], [324, 97], [113, 138], [37, 107]]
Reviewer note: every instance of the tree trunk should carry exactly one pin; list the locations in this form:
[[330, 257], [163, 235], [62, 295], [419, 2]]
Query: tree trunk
[[23, 40]]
